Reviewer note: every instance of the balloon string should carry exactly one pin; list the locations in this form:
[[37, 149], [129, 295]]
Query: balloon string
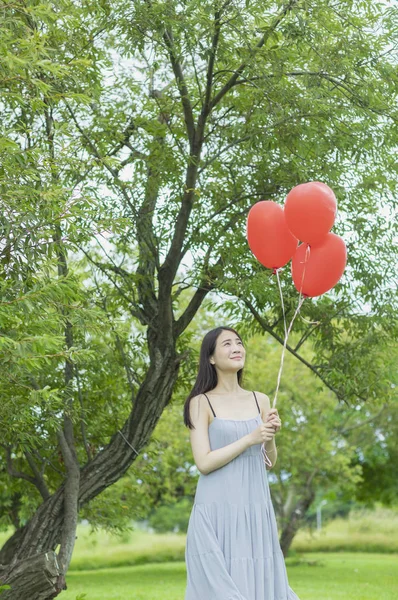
[[281, 296], [300, 303], [307, 255], [284, 348], [265, 455]]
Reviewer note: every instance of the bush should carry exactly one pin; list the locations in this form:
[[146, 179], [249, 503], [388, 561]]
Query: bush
[[171, 517]]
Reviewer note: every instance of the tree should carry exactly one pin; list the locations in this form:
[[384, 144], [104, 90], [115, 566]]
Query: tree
[[234, 102]]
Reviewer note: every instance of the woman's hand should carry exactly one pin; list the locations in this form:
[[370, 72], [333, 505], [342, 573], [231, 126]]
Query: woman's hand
[[273, 419], [266, 431], [262, 434]]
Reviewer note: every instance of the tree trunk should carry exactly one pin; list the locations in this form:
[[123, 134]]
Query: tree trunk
[[43, 532], [34, 578], [296, 517]]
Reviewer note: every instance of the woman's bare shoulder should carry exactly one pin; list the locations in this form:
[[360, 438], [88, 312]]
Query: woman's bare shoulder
[[264, 402], [198, 405]]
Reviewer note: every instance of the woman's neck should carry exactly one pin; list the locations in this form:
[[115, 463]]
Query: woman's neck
[[227, 384]]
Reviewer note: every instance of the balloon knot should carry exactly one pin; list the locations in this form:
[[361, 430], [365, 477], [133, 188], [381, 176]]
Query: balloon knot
[[274, 271]]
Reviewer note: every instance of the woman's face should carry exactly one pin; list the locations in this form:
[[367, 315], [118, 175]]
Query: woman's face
[[229, 353]]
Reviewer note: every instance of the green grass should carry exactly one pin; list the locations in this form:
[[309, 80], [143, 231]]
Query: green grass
[[363, 531], [331, 576], [143, 566], [102, 550]]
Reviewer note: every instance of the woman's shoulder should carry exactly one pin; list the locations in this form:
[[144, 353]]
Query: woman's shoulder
[[263, 400], [199, 397], [198, 400]]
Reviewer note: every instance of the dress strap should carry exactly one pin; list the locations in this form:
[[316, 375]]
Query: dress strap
[[210, 404], [257, 402]]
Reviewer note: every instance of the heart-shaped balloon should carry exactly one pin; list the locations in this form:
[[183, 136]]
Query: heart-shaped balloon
[[310, 210], [268, 235], [324, 265]]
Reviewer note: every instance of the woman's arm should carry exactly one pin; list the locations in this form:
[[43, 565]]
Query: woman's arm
[[208, 460], [222, 456]]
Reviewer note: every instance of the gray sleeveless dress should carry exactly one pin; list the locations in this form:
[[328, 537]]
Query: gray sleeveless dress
[[232, 547]]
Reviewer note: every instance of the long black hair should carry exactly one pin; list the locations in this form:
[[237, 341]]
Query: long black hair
[[206, 379]]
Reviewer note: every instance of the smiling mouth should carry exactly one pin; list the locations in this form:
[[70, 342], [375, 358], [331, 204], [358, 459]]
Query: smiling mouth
[[236, 357]]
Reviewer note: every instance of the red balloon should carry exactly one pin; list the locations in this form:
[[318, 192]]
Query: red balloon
[[324, 266], [310, 210], [268, 235]]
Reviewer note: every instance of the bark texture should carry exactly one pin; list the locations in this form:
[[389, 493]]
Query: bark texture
[[293, 525], [36, 578]]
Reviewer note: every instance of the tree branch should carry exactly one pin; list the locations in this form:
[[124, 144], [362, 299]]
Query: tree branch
[[129, 372], [196, 137], [182, 86], [125, 141], [350, 94], [71, 503], [48, 461], [267, 328], [175, 254], [204, 288], [310, 330], [218, 154], [247, 137], [222, 209], [232, 81], [148, 254], [362, 423], [11, 471], [114, 172], [131, 305], [82, 423], [38, 480], [41, 484], [206, 109]]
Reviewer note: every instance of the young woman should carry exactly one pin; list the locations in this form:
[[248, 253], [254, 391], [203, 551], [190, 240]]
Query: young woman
[[232, 548]]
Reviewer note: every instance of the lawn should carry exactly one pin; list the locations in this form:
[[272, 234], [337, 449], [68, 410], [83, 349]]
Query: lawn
[[320, 576], [142, 566]]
